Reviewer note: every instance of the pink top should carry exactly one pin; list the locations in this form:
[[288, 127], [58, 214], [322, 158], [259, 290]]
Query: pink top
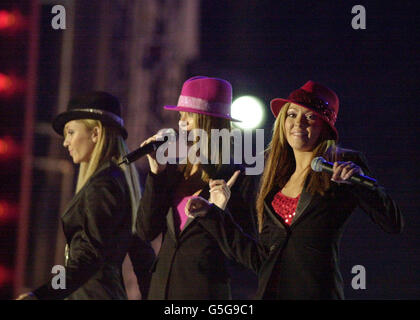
[[184, 191], [180, 208], [285, 206]]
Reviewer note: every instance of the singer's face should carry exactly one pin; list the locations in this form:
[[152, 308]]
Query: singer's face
[[186, 121], [302, 128], [79, 140]]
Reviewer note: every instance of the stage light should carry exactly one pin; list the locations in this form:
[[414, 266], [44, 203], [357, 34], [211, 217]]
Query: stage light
[[4, 147], [249, 110], [11, 20], [10, 85], [8, 148], [4, 209], [5, 276], [6, 83], [8, 212], [7, 19]]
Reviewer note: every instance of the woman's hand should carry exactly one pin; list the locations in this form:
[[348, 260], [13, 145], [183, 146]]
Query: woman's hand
[[27, 296], [343, 171], [155, 167], [197, 207], [219, 195], [220, 190]]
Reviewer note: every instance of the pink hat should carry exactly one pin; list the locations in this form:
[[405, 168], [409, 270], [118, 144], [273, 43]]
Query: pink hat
[[209, 96], [314, 96]]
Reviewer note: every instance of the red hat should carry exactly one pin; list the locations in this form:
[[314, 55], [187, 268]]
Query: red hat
[[209, 96], [315, 96]]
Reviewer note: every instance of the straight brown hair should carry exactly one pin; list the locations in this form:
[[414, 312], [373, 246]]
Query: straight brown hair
[[207, 123]]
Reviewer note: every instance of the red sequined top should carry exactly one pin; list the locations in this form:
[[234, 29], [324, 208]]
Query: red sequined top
[[285, 206]]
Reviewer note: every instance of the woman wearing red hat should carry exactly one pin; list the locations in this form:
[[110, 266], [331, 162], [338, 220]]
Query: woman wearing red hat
[[190, 265], [99, 222], [301, 213]]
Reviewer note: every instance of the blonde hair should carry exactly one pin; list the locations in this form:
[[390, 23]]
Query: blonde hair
[[280, 163], [110, 147], [206, 123]]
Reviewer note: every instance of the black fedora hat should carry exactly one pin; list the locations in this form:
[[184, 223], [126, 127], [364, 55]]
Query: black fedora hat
[[98, 105]]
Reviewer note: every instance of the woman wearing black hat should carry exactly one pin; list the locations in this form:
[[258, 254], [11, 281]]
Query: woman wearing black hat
[[301, 213], [99, 222]]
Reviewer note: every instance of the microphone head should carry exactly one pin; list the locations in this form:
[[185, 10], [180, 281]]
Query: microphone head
[[316, 164]]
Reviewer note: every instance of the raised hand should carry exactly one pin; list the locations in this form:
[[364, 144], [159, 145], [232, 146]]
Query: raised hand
[[220, 190], [197, 207]]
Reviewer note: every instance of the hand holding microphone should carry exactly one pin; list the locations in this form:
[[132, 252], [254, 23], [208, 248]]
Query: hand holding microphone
[[154, 165], [343, 172], [149, 147]]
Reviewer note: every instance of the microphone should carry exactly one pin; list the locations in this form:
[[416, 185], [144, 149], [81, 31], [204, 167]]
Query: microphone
[[319, 164], [165, 135]]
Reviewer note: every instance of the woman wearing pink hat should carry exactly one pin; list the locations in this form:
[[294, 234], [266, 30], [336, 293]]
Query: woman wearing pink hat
[[301, 213], [190, 264]]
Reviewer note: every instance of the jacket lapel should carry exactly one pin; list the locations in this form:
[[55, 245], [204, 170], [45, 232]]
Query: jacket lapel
[[76, 197], [72, 202], [171, 223], [174, 177], [187, 223], [273, 215], [305, 204]]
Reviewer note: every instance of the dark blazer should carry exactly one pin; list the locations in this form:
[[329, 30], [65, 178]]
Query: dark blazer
[[190, 264], [301, 261], [97, 226]]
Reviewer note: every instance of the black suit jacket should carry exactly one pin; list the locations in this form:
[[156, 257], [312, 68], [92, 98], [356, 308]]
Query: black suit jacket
[[301, 261], [97, 227], [190, 264]]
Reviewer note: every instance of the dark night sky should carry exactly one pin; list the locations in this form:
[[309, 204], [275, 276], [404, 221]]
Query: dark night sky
[[269, 48]]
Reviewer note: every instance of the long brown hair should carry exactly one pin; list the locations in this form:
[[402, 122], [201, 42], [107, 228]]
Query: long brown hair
[[280, 163], [207, 123]]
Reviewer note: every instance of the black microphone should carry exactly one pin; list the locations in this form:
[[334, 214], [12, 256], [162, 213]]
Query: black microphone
[[150, 147], [319, 164]]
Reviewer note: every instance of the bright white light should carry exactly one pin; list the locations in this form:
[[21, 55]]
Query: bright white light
[[249, 110]]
